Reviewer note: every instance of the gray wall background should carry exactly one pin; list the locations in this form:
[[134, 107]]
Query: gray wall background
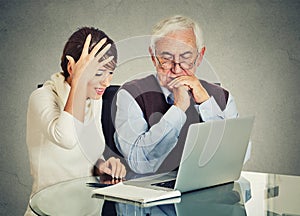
[[252, 45]]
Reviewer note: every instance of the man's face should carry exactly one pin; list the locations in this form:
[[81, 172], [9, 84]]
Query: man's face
[[176, 55]]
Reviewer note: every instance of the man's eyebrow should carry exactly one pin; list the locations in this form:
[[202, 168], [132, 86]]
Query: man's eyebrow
[[182, 54], [166, 53], [187, 52]]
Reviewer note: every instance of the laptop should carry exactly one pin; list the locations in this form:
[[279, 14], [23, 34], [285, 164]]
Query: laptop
[[213, 154]]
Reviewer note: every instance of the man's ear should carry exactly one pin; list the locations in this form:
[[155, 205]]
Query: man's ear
[[200, 57], [152, 56]]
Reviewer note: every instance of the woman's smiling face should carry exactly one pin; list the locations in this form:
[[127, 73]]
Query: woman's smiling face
[[99, 83]]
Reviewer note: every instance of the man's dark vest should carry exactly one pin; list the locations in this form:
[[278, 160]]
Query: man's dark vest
[[148, 94]]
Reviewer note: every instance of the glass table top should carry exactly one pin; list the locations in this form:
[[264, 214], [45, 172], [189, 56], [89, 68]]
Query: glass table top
[[253, 194]]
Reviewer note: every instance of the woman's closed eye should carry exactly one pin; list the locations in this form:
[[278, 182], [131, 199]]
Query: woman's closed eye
[[101, 73]]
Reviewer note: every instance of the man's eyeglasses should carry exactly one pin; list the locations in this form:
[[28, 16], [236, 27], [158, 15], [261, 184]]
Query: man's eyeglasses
[[168, 64]]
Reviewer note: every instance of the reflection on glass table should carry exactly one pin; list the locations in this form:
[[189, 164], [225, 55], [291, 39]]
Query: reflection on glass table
[[224, 200], [254, 194]]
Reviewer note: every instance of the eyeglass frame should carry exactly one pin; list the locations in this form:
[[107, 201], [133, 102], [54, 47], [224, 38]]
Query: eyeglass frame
[[179, 63]]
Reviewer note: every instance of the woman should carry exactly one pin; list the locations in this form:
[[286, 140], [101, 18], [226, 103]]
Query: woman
[[64, 132]]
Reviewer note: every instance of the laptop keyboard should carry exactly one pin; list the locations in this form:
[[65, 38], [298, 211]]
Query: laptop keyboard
[[166, 184]]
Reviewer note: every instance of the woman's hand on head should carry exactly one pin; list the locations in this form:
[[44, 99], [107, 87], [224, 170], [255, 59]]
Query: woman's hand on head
[[112, 167], [88, 64]]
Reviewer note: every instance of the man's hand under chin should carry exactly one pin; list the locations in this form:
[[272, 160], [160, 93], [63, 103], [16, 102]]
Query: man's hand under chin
[[193, 84]]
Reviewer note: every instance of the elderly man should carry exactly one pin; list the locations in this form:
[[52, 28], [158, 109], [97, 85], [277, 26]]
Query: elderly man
[[153, 113]]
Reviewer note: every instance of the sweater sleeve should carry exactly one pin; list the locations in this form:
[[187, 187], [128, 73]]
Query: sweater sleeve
[[56, 125]]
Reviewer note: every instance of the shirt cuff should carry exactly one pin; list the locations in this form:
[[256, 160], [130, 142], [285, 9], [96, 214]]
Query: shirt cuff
[[210, 110]]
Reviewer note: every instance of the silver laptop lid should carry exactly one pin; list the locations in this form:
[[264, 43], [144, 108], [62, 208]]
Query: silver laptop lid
[[214, 153]]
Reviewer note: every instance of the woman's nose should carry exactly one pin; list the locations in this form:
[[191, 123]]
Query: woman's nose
[[105, 81]]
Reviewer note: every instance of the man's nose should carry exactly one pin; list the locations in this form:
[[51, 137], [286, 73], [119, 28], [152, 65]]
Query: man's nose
[[177, 68]]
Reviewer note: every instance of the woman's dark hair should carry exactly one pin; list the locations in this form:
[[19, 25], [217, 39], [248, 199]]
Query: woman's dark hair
[[74, 47]]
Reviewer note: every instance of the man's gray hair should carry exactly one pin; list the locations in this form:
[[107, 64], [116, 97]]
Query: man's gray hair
[[177, 22]]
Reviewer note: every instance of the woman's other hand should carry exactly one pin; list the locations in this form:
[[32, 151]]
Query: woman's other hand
[[112, 167]]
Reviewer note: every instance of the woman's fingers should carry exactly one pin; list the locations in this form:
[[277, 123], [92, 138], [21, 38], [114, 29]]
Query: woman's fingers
[[105, 61], [113, 167], [113, 163], [96, 61], [94, 64], [87, 61], [118, 170], [123, 171], [98, 46], [104, 168], [85, 49]]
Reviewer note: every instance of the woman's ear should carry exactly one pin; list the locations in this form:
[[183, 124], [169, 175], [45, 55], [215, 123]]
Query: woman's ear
[[70, 65], [200, 57]]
